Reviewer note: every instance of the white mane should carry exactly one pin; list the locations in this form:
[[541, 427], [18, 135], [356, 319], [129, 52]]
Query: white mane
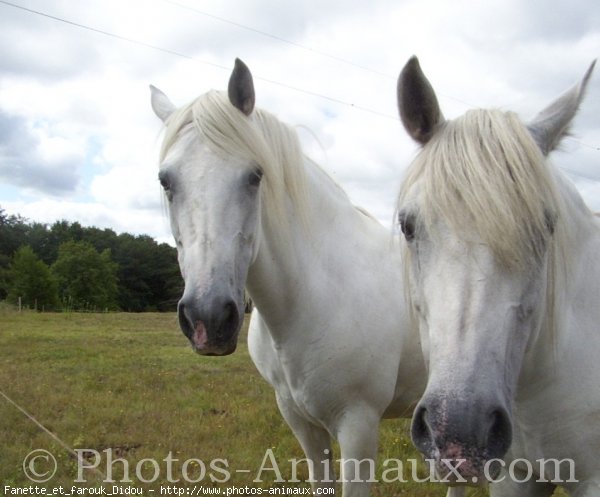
[[261, 138], [483, 171]]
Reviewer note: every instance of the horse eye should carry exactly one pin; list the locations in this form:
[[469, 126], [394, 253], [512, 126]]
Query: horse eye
[[407, 225], [164, 180], [166, 184], [254, 177]]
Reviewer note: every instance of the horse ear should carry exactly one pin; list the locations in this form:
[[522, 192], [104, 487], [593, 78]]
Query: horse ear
[[417, 103], [552, 124], [161, 104], [241, 88]]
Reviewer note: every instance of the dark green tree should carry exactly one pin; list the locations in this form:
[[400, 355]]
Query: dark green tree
[[31, 280], [37, 237], [87, 279], [12, 232], [167, 284], [148, 273], [12, 236]]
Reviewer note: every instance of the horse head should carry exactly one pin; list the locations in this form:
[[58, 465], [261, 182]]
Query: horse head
[[212, 189], [483, 221]]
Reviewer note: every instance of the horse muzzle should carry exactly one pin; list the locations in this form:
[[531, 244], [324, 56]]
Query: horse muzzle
[[212, 326], [463, 439]]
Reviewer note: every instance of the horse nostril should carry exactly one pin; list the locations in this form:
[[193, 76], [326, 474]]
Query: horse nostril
[[420, 431], [184, 322], [499, 434], [229, 320], [229, 309]]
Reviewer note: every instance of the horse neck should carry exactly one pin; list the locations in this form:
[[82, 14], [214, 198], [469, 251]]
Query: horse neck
[[578, 244], [283, 276]]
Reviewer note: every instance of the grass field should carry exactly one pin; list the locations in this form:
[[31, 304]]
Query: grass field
[[128, 385]]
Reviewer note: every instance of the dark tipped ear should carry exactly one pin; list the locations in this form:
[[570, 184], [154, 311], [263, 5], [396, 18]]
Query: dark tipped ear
[[552, 124], [417, 103], [241, 88]]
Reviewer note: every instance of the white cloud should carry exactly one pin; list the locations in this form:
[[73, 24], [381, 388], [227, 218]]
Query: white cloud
[[92, 214], [87, 139], [36, 159]]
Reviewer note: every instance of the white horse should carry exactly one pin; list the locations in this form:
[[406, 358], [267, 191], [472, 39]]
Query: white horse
[[502, 262], [247, 209]]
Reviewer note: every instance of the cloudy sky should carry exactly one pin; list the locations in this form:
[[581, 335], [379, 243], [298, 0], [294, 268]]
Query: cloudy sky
[[78, 140]]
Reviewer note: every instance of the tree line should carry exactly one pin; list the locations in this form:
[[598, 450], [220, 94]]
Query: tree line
[[69, 266]]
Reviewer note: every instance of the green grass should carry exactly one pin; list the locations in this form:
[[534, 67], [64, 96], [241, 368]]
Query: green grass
[[129, 383]]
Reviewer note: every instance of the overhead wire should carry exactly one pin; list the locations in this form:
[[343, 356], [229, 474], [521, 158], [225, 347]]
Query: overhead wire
[[318, 52], [226, 68], [295, 44], [278, 38], [195, 59]]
